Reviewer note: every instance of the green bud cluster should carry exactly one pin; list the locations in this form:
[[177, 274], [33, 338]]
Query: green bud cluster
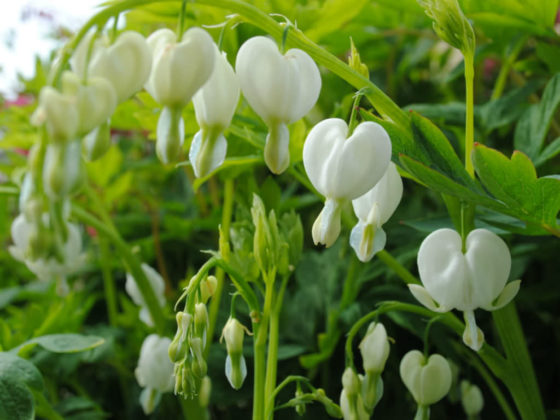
[[450, 23], [187, 348]]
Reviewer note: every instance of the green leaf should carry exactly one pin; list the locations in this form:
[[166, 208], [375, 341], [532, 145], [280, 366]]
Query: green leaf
[[515, 183], [68, 343], [549, 152], [16, 401], [15, 369], [531, 130], [333, 15]]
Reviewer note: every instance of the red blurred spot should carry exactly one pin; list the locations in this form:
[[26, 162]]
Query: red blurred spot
[[91, 231]]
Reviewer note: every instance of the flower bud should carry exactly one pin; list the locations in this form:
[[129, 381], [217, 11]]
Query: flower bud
[[352, 409], [236, 369], [372, 390], [427, 380], [207, 288], [200, 321], [199, 367], [471, 399], [205, 391], [343, 169], [331, 408], [63, 171], [214, 105], [450, 23], [373, 209], [170, 134], [375, 348], [179, 346], [126, 64], [280, 88]]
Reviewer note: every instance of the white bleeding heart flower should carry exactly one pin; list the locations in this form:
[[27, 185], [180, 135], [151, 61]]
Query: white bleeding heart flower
[[465, 279], [158, 287], [214, 106], [59, 112], [180, 68], [280, 88], [46, 268], [154, 371], [126, 64], [343, 168], [95, 100], [428, 380], [373, 209]]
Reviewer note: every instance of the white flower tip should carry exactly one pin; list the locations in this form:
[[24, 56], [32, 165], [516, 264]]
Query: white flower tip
[[422, 296], [277, 149], [473, 336], [505, 297], [327, 225]]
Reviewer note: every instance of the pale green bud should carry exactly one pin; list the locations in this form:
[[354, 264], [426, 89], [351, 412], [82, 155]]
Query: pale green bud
[[471, 398], [97, 142], [375, 348], [236, 368], [63, 169], [205, 391], [199, 366], [200, 320], [180, 344]]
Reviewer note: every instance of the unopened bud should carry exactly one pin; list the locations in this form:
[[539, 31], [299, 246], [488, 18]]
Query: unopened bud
[[471, 398], [205, 391], [199, 367], [208, 288], [327, 225], [63, 169], [170, 135], [180, 344], [375, 348], [200, 321]]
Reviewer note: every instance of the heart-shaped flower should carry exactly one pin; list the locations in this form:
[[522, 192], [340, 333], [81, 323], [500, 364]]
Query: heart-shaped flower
[[427, 380], [125, 64], [179, 69], [214, 105], [373, 209], [58, 111], [343, 168], [280, 88], [95, 100], [464, 277]]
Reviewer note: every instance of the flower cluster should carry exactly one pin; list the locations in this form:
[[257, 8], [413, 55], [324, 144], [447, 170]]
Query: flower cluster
[[186, 350], [361, 393]]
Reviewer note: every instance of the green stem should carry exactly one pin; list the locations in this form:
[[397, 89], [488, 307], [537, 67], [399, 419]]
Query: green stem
[[273, 341], [382, 103], [469, 124], [220, 273], [192, 410], [519, 377], [397, 267], [132, 263], [260, 353], [108, 282], [505, 68], [422, 413]]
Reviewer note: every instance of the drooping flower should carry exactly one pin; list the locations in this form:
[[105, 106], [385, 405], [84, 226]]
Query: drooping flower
[[428, 380], [125, 64], [46, 267], [464, 278], [351, 401], [58, 111], [158, 286], [280, 88], [373, 209], [180, 68], [236, 368], [471, 399], [214, 105], [343, 168], [154, 371]]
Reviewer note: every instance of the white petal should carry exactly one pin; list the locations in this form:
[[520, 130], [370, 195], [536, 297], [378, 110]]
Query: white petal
[[322, 145], [507, 295], [422, 296], [489, 261], [215, 102], [308, 80], [387, 194], [367, 241], [444, 271], [207, 153]]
